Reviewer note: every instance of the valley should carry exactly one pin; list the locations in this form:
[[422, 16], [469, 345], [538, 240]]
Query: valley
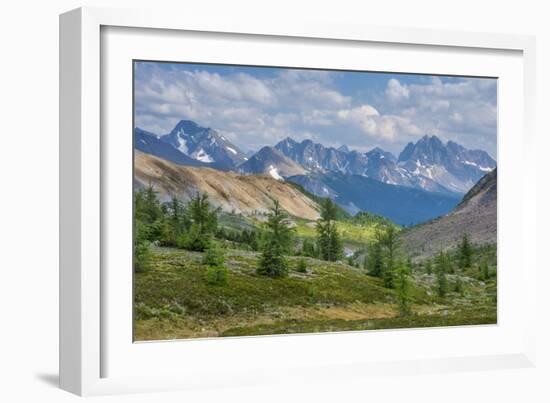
[[300, 238]]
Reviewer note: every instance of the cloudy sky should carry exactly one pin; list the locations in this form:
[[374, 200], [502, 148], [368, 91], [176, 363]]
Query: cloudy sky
[[257, 106]]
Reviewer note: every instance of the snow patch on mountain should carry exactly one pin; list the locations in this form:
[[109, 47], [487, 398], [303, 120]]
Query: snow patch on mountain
[[274, 173], [201, 155]]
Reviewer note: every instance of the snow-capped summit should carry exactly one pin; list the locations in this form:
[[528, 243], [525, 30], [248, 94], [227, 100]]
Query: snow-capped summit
[[428, 164], [451, 165], [204, 144], [313, 156], [271, 161], [150, 143]]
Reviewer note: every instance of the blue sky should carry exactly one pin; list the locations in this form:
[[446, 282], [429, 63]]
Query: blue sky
[[257, 106]]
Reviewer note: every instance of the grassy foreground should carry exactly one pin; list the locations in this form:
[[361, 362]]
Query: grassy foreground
[[173, 300]]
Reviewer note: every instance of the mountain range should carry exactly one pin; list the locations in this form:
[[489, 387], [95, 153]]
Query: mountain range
[[252, 194], [428, 164], [429, 173]]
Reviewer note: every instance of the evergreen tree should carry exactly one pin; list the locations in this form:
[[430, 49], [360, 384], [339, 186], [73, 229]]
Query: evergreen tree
[[484, 270], [441, 268], [389, 244], [151, 206], [201, 214], [175, 222], [329, 243], [374, 261], [465, 253], [203, 224], [277, 242], [403, 287], [148, 211], [214, 258], [308, 248], [336, 246], [214, 255], [142, 252]]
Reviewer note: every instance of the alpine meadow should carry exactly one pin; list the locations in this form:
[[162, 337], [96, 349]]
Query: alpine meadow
[[278, 201]]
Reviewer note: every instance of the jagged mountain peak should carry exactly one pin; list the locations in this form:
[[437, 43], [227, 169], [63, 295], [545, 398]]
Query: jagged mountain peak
[[188, 126], [377, 152], [343, 148], [451, 164], [204, 144], [152, 144], [290, 140], [270, 161]]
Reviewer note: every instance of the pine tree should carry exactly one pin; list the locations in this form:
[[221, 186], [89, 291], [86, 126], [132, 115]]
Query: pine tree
[[329, 243], [277, 243], [201, 214], [203, 224], [308, 248], [175, 221], [465, 253], [214, 255], [484, 269], [373, 261], [142, 252], [148, 211], [151, 205], [214, 258], [336, 246], [403, 286], [389, 244], [441, 268]]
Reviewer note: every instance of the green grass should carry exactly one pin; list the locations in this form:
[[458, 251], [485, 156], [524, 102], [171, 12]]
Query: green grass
[[175, 299], [178, 277], [467, 317], [352, 233]]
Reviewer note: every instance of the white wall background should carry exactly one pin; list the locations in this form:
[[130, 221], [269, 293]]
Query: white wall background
[[29, 201]]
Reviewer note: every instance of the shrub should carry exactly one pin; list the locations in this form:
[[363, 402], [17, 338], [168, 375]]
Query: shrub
[[216, 275], [214, 255], [301, 267], [166, 311]]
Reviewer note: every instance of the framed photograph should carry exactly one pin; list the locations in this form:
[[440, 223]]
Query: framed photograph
[[255, 202]]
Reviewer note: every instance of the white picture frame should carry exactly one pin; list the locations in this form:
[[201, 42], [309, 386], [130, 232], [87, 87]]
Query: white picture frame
[[85, 344]]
